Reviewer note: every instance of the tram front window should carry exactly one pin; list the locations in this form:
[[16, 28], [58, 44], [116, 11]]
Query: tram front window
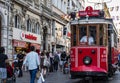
[[87, 35], [90, 39]]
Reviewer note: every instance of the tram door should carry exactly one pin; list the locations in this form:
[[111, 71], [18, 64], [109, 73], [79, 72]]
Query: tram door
[[109, 48], [0, 29]]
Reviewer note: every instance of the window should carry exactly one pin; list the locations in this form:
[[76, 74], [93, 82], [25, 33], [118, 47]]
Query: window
[[37, 29], [88, 34], [29, 25], [33, 27], [17, 22]]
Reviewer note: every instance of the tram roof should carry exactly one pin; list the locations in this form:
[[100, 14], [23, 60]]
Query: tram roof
[[92, 21]]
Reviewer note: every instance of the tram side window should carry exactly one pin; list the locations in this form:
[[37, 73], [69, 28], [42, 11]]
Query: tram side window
[[74, 36], [101, 34], [83, 34], [83, 31]]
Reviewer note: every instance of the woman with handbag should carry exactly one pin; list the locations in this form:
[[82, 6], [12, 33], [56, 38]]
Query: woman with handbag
[[43, 63]]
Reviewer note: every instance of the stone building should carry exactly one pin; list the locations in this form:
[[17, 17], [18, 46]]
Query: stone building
[[41, 23]]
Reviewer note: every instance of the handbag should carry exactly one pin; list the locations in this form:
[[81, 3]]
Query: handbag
[[38, 74], [46, 63]]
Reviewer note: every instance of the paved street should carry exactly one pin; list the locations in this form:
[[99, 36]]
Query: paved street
[[59, 77], [51, 78]]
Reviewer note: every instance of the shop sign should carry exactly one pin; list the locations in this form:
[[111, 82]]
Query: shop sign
[[17, 43], [28, 36]]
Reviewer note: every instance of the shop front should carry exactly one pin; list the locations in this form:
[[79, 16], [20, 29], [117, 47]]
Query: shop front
[[22, 40]]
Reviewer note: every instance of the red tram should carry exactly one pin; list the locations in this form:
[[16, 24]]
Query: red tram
[[96, 56]]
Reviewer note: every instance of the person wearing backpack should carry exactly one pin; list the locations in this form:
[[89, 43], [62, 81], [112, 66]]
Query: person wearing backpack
[[63, 58], [56, 61]]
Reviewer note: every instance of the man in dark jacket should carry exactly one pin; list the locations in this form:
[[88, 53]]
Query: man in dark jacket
[[3, 61], [63, 56], [56, 61], [20, 57]]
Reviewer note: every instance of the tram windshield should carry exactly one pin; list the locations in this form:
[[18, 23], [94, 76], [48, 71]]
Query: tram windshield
[[89, 34]]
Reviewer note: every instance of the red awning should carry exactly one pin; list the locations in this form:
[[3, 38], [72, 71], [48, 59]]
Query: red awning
[[18, 43], [37, 46]]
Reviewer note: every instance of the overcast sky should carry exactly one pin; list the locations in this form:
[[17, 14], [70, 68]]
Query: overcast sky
[[111, 4]]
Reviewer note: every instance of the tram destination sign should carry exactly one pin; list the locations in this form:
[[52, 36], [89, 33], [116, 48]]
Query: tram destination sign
[[89, 12]]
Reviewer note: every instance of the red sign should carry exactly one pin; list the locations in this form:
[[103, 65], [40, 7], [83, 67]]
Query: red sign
[[28, 36], [89, 11], [17, 43]]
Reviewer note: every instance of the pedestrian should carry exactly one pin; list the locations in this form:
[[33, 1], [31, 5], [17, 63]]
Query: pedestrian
[[119, 62], [51, 62], [20, 57], [56, 61], [33, 62], [15, 62], [3, 61], [63, 58], [60, 62], [46, 64]]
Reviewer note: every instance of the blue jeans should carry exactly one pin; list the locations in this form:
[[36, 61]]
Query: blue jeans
[[32, 75]]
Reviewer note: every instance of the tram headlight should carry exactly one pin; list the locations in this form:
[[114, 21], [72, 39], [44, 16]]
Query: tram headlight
[[87, 60]]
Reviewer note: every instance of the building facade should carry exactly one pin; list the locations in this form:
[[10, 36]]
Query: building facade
[[40, 23], [5, 30]]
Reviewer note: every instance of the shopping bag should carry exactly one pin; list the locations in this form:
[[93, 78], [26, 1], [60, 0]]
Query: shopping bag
[[41, 75], [41, 79], [38, 75]]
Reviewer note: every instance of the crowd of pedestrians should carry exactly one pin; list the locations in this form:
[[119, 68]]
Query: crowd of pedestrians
[[32, 61]]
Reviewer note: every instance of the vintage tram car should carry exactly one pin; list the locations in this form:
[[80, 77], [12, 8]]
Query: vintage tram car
[[96, 56]]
